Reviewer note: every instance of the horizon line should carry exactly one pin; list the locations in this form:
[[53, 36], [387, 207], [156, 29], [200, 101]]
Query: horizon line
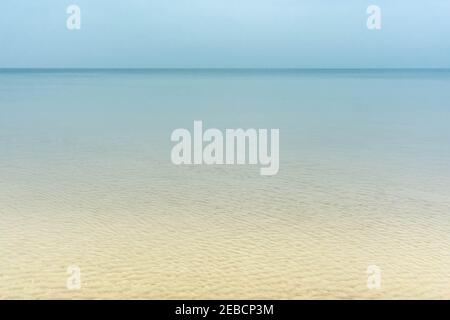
[[221, 69]]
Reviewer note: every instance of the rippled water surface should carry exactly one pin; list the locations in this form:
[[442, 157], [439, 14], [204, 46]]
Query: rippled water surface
[[86, 179]]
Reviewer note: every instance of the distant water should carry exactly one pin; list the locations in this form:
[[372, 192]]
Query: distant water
[[86, 180]]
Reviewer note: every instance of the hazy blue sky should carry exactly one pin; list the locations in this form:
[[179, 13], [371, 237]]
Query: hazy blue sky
[[225, 33]]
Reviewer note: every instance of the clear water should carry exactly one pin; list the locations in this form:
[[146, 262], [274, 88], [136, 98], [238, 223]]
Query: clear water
[[86, 180]]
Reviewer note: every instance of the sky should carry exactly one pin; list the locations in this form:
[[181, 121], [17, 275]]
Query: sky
[[224, 34]]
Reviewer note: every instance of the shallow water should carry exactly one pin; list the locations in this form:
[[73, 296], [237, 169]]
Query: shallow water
[[86, 179]]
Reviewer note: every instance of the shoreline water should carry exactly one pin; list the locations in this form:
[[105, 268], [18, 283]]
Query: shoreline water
[[86, 180]]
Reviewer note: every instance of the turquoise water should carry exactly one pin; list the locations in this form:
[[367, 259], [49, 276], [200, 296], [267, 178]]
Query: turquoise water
[[364, 178], [388, 118]]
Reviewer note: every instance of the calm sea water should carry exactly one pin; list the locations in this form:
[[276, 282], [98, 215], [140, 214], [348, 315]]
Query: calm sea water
[[86, 180]]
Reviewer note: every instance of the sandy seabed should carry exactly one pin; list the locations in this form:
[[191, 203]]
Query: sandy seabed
[[86, 180]]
